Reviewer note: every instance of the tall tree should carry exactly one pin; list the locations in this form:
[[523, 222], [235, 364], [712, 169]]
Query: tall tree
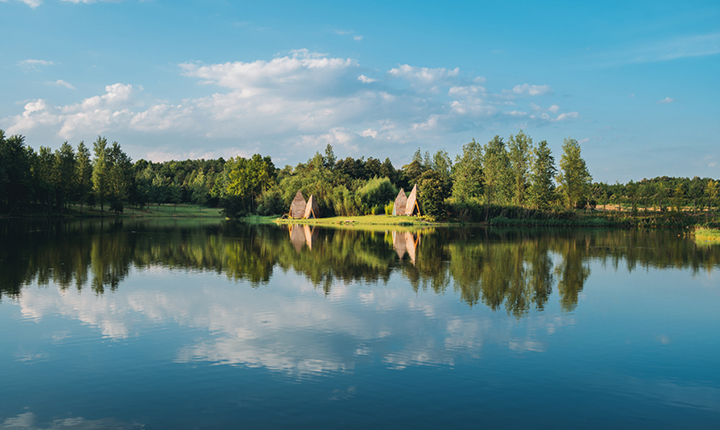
[[542, 177], [467, 172], [83, 175], [101, 171], [120, 177], [574, 175], [520, 148], [16, 184], [496, 171], [64, 175]]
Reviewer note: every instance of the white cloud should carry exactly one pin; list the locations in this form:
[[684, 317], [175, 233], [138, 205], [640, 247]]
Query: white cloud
[[586, 140], [566, 116], [369, 133], [93, 115], [554, 108], [32, 3], [358, 38], [666, 100], [533, 90], [424, 76], [296, 102], [61, 83], [34, 64]]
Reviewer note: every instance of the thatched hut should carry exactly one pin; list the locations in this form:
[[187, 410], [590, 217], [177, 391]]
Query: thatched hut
[[412, 207], [312, 210], [400, 203], [297, 208]]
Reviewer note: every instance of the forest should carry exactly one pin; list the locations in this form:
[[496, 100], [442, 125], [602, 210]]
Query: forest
[[501, 178]]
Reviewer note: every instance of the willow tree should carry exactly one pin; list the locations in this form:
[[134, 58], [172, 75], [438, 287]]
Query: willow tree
[[574, 175]]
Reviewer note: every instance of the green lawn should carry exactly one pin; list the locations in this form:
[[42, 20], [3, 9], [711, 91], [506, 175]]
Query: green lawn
[[153, 211]]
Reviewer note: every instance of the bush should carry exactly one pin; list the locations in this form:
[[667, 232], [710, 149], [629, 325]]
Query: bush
[[389, 208]]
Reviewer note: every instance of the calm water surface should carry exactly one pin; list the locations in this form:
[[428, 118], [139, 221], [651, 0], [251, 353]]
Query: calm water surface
[[187, 325]]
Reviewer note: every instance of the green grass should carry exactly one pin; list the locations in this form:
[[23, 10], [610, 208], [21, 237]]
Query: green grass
[[153, 211], [364, 220]]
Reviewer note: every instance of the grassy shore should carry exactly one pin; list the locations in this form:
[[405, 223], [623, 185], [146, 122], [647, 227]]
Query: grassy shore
[[363, 220], [703, 234]]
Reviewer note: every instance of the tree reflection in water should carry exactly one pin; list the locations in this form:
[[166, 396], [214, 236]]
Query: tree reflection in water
[[511, 268]]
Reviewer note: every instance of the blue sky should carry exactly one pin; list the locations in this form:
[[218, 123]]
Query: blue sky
[[637, 83]]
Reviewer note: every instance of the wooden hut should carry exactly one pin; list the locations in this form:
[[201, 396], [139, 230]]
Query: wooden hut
[[400, 203], [412, 207], [297, 208], [312, 210]]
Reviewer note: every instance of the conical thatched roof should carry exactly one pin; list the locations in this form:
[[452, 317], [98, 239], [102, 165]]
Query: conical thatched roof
[[412, 207], [297, 208], [312, 210], [400, 203]]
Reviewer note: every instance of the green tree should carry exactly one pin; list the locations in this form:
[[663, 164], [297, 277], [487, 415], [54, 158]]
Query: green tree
[[467, 173], [64, 176], [542, 177], [16, 181], [83, 175], [432, 194], [246, 179], [101, 171], [574, 175], [520, 147], [120, 178], [496, 171]]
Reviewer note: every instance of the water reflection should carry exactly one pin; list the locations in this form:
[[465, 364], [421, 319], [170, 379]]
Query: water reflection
[[28, 421], [514, 269]]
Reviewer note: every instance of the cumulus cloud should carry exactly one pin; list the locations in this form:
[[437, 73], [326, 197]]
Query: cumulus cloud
[[532, 90], [666, 100], [297, 103]]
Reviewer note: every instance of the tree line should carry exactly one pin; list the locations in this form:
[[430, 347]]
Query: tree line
[[516, 173]]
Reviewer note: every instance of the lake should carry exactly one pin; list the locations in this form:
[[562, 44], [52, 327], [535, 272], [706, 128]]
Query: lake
[[186, 324]]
